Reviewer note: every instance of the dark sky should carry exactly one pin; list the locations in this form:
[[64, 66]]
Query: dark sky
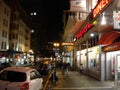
[[48, 23]]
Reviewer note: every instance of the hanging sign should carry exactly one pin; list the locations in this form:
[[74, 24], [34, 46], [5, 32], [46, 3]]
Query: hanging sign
[[67, 44], [116, 19]]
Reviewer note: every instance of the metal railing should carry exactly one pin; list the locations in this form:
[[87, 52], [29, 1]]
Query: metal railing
[[46, 85]]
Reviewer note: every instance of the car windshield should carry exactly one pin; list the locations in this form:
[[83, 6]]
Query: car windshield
[[13, 76]]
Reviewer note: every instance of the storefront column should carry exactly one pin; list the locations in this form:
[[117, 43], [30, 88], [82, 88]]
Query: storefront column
[[102, 66], [87, 46]]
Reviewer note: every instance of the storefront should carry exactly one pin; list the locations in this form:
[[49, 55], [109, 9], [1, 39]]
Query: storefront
[[112, 56], [4, 56], [90, 59], [68, 57], [98, 60]]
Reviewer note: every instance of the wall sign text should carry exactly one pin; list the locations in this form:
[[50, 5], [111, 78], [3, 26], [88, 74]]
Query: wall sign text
[[100, 6], [84, 30]]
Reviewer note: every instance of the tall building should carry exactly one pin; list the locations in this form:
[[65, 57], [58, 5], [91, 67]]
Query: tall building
[[97, 42], [15, 31], [5, 12], [73, 22]]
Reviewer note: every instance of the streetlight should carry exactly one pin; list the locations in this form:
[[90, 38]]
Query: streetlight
[[32, 31], [56, 48], [56, 44]]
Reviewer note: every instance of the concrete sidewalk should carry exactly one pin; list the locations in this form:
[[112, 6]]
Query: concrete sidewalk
[[77, 81]]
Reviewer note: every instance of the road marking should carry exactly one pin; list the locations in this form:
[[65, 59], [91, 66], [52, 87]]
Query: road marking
[[82, 88]]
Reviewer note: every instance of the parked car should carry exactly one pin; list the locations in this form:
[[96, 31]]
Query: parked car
[[43, 69], [20, 78], [4, 65]]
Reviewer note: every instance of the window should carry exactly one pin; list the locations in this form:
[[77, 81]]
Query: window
[[13, 76], [2, 33], [5, 11], [6, 23], [5, 45], [3, 21], [2, 46], [34, 75]]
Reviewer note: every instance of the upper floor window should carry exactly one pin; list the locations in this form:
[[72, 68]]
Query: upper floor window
[[6, 11], [2, 45], [4, 33], [3, 21]]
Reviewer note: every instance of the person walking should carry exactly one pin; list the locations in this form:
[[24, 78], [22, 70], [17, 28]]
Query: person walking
[[65, 67], [81, 68]]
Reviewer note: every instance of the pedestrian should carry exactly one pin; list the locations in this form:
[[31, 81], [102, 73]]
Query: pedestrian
[[65, 68], [81, 68]]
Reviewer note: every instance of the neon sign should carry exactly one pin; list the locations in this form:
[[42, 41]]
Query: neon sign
[[67, 44], [100, 6], [84, 30]]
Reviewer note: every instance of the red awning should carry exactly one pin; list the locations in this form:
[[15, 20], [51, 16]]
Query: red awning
[[109, 38], [76, 27]]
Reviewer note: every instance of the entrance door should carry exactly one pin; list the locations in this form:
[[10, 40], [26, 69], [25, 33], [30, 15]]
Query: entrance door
[[117, 70], [110, 63]]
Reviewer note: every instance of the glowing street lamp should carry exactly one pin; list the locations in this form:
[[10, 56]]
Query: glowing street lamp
[[56, 44]]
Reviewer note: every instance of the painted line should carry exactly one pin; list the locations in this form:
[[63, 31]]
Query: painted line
[[82, 88]]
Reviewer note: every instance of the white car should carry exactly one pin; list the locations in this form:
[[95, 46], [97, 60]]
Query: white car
[[20, 78]]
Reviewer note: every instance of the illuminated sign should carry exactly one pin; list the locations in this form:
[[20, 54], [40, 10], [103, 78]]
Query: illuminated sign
[[84, 30], [78, 5], [100, 6], [67, 44], [116, 19], [112, 47]]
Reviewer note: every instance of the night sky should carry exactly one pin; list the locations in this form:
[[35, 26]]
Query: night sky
[[48, 23]]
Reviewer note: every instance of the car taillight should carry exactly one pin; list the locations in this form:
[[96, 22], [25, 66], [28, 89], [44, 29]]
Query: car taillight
[[25, 86]]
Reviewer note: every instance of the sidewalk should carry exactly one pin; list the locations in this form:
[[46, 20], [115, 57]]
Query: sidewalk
[[77, 81]]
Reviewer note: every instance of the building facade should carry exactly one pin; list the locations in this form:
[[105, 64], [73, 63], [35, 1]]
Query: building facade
[[73, 21], [97, 42], [5, 12], [15, 31]]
